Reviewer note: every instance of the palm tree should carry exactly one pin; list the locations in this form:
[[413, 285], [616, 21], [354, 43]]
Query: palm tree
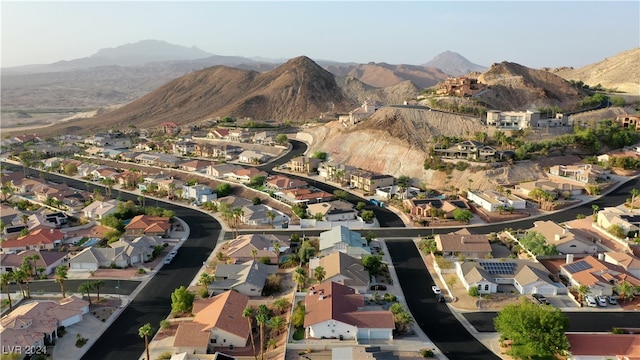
[[254, 253], [248, 314], [61, 276], [276, 249], [25, 218], [19, 277], [281, 305], [96, 285], [5, 280], [28, 274], [634, 194], [319, 273], [271, 215], [261, 319], [32, 261], [276, 324], [595, 208], [625, 289], [237, 214], [205, 280], [85, 288], [144, 332], [300, 276], [582, 291]]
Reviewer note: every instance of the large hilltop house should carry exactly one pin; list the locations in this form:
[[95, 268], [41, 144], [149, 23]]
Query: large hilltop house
[[364, 111], [469, 150], [513, 119], [460, 86]]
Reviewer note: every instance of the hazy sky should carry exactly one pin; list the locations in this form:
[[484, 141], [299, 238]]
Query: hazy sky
[[534, 34]]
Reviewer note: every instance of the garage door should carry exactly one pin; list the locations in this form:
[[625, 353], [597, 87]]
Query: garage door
[[544, 290], [379, 334]]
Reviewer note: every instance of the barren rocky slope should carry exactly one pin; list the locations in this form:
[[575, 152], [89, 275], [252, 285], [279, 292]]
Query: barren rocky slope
[[385, 75], [621, 72], [393, 95]]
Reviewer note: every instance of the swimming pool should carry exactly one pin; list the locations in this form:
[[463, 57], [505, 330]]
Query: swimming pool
[[91, 242]]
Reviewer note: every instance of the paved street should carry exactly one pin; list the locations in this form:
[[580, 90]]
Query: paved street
[[109, 286]]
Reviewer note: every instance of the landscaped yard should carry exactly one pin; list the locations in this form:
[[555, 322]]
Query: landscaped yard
[[298, 334]]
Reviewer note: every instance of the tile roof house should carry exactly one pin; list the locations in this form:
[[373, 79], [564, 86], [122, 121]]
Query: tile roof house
[[343, 269], [28, 325], [600, 276], [247, 278], [244, 174], [338, 210], [604, 346], [340, 238], [99, 209], [259, 215], [332, 312], [424, 208], [194, 165], [218, 322], [41, 239], [221, 170], [122, 253], [280, 182], [566, 241], [309, 196], [629, 221], [233, 201], [369, 181], [527, 277], [49, 260], [468, 149], [582, 173], [469, 245], [629, 262], [239, 250], [304, 164], [253, 157], [147, 225]]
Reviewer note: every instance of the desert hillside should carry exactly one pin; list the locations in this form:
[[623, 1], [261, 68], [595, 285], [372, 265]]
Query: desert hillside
[[380, 151], [516, 87], [392, 95], [454, 64], [620, 72], [385, 75]]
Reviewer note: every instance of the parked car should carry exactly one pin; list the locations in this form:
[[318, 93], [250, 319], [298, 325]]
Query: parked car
[[378, 287], [541, 299], [591, 301], [613, 300], [173, 253], [168, 260], [601, 300], [436, 290]]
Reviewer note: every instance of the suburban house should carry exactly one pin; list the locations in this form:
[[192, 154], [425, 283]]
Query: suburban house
[[233, 201], [603, 346], [565, 241], [332, 312], [513, 119], [218, 322], [340, 238], [304, 164], [309, 196], [244, 174], [168, 127], [184, 147], [629, 262], [608, 217], [426, 208], [388, 192], [239, 135], [41, 239], [528, 277], [264, 137], [8, 214], [343, 269], [468, 245], [198, 192], [169, 185], [368, 181], [336, 172], [628, 121], [122, 253], [247, 278], [256, 215], [255, 246], [600, 276], [469, 150], [99, 209], [253, 157], [48, 260], [220, 170], [195, 165], [147, 225], [218, 134], [32, 324], [582, 173], [460, 87], [280, 183], [365, 110], [553, 187], [338, 210], [493, 201]]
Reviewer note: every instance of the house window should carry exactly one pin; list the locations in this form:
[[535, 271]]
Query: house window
[[213, 341], [480, 287], [486, 288]]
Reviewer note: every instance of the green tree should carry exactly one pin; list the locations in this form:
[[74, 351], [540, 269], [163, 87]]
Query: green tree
[[372, 263], [367, 215], [428, 246], [281, 305], [145, 331], [281, 139], [536, 243], [271, 215], [165, 325], [277, 323], [463, 215], [534, 330], [404, 182], [96, 284], [616, 230], [401, 317], [319, 273], [582, 291], [319, 155], [182, 300], [205, 280], [248, 313], [297, 318], [626, 290], [361, 205], [61, 276], [257, 180], [223, 190], [340, 194], [262, 317], [85, 288]]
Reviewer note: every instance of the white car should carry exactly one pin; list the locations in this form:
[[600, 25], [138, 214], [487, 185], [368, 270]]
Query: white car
[[168, 260], [601, 300], [591, 301], [436, 290], [173, 253]]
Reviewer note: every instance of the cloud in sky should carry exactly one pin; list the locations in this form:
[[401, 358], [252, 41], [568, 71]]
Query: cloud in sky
[[534, 34]]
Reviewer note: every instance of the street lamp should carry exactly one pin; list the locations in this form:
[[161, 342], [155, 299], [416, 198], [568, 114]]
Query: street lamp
[[118, 291]]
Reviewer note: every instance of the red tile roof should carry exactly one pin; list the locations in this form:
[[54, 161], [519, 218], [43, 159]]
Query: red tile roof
[[38, 237], [624, 346]]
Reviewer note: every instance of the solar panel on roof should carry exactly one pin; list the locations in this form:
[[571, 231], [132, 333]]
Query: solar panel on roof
[[498, 268], [577, 267]]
